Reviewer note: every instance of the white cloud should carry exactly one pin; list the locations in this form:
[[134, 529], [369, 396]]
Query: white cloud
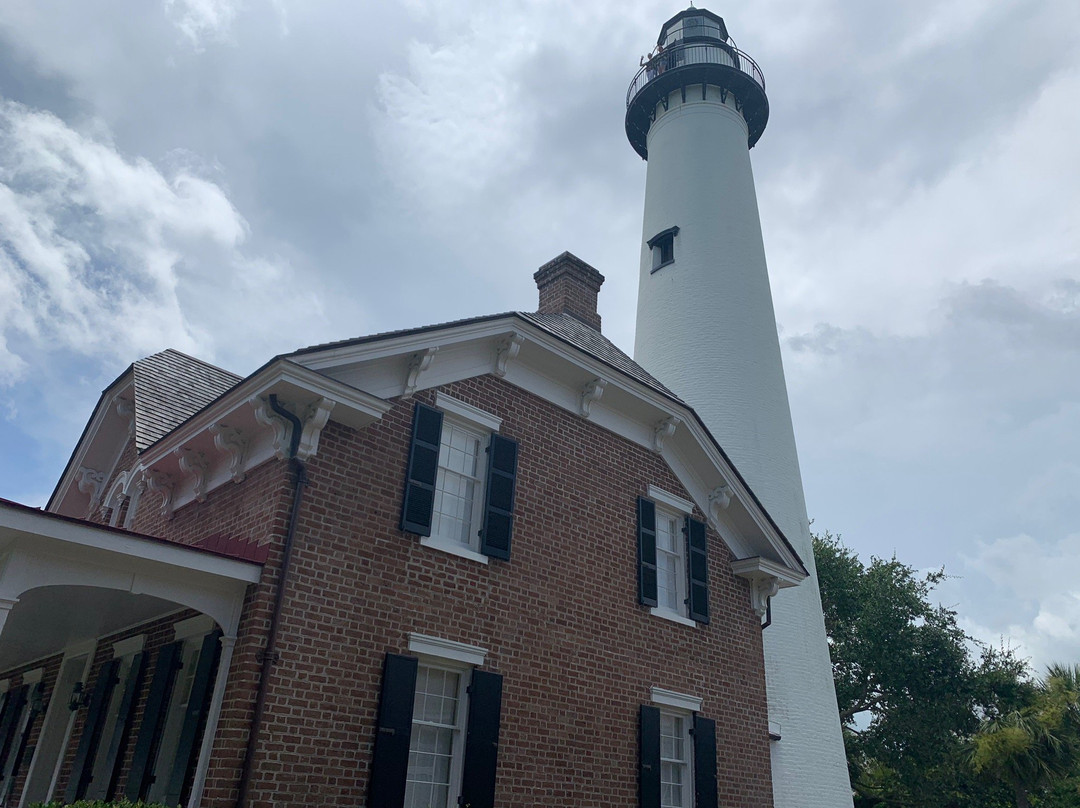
[[203, 19], [105, 257]]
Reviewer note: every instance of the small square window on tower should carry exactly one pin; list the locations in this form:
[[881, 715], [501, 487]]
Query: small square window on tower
[[663, 248]]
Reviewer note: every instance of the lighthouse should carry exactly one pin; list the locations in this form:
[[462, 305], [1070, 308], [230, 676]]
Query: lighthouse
[[706, 329]]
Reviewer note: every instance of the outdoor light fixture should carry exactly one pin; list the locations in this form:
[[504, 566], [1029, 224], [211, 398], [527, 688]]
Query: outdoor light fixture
[[78, 697]]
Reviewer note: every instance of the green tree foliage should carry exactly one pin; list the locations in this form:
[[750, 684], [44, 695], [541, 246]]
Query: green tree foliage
[[911, 685]]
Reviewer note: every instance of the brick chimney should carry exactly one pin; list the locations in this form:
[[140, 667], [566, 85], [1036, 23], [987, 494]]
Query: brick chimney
[[569, 286]]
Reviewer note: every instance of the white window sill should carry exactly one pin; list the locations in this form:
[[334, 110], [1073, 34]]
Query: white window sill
[[453, 548], [674, 617]]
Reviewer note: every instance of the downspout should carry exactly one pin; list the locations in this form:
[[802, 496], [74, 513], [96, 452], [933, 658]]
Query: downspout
[[300, 479], [768, 614]]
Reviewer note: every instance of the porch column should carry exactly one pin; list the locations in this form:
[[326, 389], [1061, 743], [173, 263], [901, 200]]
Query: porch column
[[212, 715]]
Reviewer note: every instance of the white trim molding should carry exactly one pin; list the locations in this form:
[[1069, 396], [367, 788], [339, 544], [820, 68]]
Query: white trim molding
[[446, 649], [130, 645], [672, 501], [681, 701], [197, 626], [467, 412]]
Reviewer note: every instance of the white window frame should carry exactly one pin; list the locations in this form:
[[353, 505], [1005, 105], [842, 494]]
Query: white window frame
[[482, 424], [687, 717], [459, 658], [672, 506]]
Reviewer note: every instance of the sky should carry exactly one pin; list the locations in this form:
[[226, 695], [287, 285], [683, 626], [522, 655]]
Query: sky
[[240, 178]]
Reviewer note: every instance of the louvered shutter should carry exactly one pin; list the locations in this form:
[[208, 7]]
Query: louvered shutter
[[24, 740], [141, 775], [83, 769], [697, 568], [704, 762], [390, 760], [649, 757], [499, 506], [423, 468], [9, 721], [482, 740], [198, 703], [121, 733], [646, 546]]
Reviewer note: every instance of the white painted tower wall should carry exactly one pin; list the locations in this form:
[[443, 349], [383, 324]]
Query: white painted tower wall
[[706, 329]]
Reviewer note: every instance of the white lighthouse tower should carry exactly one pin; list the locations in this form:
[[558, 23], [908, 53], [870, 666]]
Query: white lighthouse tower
[[706, 329]]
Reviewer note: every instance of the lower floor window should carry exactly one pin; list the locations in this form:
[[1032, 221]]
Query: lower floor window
[[674, 761], [435, 743]]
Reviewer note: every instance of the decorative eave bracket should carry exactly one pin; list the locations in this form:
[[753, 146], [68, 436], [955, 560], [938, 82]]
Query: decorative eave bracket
[[91, 482], [195, 465], [765, 577], [318, 413], [506, 352], [231, 441], [663, 430], [161, 483], [720, 498], [267, 417], [590, 394], [126, 409], [418, 364]]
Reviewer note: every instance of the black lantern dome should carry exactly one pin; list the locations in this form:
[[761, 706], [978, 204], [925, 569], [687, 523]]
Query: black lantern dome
[[693, 51]]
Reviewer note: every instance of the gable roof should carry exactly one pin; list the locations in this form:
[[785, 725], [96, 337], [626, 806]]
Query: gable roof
[[170, 387]]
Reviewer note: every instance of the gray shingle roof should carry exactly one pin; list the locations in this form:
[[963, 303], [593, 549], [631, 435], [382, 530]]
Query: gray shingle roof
[[170, 387], [591, 341]]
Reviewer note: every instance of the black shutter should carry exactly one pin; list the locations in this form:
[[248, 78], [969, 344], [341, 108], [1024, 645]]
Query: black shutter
[[390, 759], [24, 739], [704, 762], [141, 775], [122, 728], [646, 551], [83, 769], [697, 569], [9, 721], [482, 740], [649, 755], [198, 703], [499, 507], [423, 468]]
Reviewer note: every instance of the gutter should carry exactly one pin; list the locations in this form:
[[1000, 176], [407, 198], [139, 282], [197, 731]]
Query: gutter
[[300, 479]]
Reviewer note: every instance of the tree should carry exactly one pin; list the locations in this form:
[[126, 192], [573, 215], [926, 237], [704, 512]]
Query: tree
[[911, 693], [1034, 747]]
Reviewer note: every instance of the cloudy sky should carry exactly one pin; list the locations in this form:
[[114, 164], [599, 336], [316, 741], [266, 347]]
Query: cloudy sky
[[239, 178]]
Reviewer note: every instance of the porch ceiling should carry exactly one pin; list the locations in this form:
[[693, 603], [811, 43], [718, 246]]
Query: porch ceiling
[[47, 620]]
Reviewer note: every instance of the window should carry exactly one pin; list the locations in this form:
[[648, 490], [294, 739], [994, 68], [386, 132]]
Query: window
[[673, 566], [677, 746], [460, 480], [663, 248], [435, 747], [437, 733], [675, 742]]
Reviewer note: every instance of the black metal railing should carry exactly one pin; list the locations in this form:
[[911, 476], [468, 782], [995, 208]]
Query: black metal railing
[[694, 53]]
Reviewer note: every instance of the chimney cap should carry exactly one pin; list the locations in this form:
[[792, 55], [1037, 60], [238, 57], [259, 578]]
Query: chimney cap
[[568, 262]]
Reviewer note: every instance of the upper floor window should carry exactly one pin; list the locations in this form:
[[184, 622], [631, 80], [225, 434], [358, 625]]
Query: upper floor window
[[663, 248], [459, 486], [673, 563]]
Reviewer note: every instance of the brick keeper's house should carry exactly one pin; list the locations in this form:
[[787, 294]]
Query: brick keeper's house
[[490, 562]]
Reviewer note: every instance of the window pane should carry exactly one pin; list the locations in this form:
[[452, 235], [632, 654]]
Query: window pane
[[433, 739], [456, 484], [674, 767]]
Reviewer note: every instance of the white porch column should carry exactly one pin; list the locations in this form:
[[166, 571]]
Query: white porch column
[[227, 645]]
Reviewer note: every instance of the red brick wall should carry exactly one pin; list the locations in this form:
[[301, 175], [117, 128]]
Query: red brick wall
[[560, 620]]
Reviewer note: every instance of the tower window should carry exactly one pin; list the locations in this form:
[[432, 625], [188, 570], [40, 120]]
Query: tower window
[[663, 248]]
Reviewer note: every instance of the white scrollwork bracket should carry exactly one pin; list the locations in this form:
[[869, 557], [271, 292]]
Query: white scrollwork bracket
[[126, 409], [720, 497], [506, 352], [90, 482], [161, 483], [318, 413], [664, 430], [761, 589], [267, 417], [194, 464], [418, 364], [231, 442], [590, 394]]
